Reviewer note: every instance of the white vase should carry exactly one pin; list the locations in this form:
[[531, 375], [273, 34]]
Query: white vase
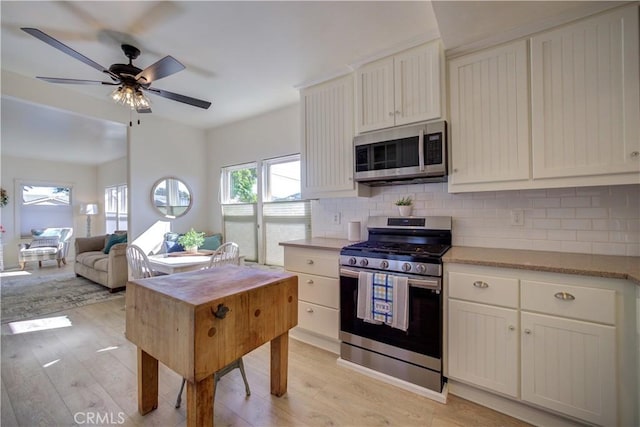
[[191, 249], [405, 210]]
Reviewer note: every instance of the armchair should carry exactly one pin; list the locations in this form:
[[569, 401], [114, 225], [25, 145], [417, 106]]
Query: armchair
[[46, 244]]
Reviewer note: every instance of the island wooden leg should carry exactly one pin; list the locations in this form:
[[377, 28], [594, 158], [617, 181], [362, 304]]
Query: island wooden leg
[[279, 364], [200, 397], [147, 382]]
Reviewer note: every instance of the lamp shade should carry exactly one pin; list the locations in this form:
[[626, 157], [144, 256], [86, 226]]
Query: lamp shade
[[89, 209]]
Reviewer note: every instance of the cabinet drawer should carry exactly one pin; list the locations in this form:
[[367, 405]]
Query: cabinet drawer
[[483, 288], [321, 320], [595, 305], [323, 263], [319, 290]]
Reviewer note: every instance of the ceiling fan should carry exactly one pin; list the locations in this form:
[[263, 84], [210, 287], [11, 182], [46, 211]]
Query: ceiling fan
[[132, 81]]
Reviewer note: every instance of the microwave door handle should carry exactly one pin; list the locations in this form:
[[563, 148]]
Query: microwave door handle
[[421, 150]]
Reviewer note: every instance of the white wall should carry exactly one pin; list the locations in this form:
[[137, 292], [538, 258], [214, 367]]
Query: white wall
[[595, 220], [156, 148], [82, 179], [273, 134]]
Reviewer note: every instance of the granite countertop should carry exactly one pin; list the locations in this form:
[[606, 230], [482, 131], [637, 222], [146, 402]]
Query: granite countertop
[[611, 266], [319, 243]]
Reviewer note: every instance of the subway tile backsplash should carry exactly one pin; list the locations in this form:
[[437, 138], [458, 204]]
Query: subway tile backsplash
[[596, 220]]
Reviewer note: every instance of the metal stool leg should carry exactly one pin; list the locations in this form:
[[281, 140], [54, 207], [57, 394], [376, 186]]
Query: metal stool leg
[[179, 399], [244, 377]]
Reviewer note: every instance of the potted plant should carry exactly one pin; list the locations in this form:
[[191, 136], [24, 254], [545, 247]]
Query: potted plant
[[405, 206], [191, 240]]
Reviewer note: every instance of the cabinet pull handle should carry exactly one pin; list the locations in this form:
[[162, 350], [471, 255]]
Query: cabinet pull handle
[[565, 296], [310, 282], [527, 331], [309, 310], [480, 284], [512, 328], [309, 261]]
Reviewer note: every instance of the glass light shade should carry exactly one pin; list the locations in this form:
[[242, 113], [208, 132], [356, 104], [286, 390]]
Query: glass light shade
[[131, 97]]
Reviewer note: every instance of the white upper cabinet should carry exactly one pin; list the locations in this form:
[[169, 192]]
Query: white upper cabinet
[[327, 140], [490, 115], [404, 88], [585, 97]]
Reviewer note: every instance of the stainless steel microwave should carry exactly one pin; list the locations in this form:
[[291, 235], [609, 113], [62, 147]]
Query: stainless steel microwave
[[408, 153]]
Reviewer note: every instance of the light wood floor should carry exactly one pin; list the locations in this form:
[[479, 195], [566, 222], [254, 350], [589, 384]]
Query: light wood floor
[[65, 376]]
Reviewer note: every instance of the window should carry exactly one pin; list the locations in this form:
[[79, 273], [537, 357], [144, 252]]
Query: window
[[115, 208], [45, 206], [277, 211]]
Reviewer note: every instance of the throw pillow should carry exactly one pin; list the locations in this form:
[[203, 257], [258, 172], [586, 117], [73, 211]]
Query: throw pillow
[[114, 239], [211, 243], [173, 246], [44, 242]]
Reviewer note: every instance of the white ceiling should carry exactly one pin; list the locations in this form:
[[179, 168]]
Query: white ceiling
[[245, 57]]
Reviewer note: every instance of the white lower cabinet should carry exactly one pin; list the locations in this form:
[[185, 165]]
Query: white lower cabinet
[[318, 295], [483, 346], [544, 339], [570, 366]]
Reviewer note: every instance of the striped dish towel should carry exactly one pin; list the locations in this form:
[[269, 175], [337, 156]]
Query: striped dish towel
[[365, 297], [390, 300]]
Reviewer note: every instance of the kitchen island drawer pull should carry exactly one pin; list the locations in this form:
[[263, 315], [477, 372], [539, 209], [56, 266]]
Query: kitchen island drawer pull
[[309, 261], [565, 296], [480, 284]]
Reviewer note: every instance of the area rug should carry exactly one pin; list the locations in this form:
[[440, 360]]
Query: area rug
[[27, 297]]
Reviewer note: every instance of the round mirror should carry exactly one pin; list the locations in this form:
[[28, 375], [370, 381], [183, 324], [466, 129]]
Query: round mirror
[[171, 197]]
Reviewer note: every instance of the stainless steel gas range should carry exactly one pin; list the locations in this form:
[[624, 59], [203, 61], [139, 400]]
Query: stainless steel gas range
[[391, 300]]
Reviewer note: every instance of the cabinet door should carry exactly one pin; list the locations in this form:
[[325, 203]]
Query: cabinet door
[[585, 97], [417, 84], [483, 346], [490, 115], [569, 366], [327, 146], [374, 96]]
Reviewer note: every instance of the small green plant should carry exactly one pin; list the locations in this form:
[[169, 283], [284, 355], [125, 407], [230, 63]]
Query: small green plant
[[405, 201], [191, 238]]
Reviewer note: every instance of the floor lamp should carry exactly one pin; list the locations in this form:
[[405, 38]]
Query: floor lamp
[[89, 209]]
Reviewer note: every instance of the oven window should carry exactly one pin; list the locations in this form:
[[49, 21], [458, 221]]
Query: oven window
[[424, 335]]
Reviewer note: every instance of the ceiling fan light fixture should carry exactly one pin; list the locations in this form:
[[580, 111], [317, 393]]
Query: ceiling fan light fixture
[[131, 97]]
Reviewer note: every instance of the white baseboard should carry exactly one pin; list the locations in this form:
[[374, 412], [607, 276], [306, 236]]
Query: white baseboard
[[315, 340], [430, 394]]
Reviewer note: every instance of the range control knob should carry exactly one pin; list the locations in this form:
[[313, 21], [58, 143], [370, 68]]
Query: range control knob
[[406, 266], [384, 264], [352, 261], [364, 262], [421, 268]]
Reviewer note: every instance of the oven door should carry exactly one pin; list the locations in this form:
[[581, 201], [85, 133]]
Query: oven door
[[420, 344]]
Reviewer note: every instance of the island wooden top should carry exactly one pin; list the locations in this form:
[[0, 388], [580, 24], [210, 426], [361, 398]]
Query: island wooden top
[[611, 266], [202, 286]]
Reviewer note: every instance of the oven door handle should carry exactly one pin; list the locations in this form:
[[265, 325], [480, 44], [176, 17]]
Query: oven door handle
[[413, 282]]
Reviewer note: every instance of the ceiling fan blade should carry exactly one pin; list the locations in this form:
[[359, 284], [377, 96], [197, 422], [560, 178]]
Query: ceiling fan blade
[[75, 81], [180, 98], [163, 68], [66, 49]]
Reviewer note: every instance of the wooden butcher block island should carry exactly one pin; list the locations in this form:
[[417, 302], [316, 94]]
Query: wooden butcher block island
[[198, 322]]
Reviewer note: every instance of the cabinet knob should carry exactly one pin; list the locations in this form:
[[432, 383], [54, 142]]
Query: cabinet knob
[[309, 261], [397, 112], [391, 114], [635, 154], [480, 284], [310, 282], [512, 328], [565, 296], [527, 331], [455, 170], [309, 310]]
